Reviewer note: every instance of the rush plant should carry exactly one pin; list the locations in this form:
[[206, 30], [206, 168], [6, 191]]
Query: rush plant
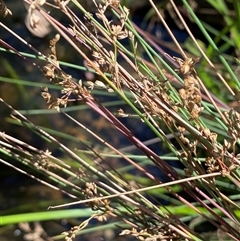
[[189, 103]]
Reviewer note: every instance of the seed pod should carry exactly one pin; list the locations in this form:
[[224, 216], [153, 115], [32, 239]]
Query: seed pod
[[90, 85], [100, 84]]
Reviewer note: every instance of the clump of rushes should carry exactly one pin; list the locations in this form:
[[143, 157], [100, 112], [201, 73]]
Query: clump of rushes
[[169, 95]]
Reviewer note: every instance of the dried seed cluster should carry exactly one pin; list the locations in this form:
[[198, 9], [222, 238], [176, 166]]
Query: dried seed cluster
[[91, 192], [42, 161], [233, 118], [158, 233], [54, 73], [190, 95], [36, 233], [4, 11]]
